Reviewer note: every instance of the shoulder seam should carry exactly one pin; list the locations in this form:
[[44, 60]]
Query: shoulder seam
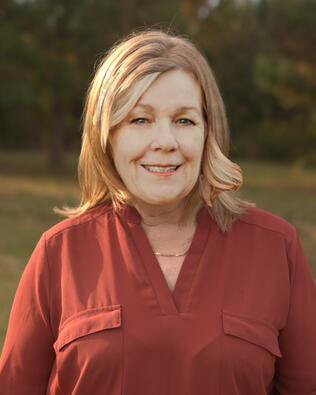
[[73, 225], [267, 228]]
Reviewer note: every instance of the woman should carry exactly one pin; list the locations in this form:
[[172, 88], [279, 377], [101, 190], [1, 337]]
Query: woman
[[162, 281]]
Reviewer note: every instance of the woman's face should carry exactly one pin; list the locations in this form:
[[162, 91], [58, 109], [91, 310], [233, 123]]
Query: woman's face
[[157, 149]]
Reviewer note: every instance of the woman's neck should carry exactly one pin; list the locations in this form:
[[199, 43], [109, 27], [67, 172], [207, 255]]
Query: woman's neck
[[165, 215], [166, 231]]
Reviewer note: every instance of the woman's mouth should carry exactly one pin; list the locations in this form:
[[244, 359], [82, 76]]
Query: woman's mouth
[[161, 169]]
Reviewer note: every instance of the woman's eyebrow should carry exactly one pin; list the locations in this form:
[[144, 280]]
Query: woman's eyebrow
[[178, 110]]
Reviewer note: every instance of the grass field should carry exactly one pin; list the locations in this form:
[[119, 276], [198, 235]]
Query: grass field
[[28, 193]]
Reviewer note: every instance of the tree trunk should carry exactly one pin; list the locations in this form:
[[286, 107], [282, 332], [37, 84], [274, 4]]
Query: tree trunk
[[58, 138]]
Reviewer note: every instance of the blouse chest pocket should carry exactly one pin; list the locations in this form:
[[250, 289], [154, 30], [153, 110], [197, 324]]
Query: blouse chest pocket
[[89, 325], [251, 330]]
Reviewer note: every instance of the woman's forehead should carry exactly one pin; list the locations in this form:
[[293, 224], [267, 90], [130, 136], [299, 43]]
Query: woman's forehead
[[180, 108], [175, 89]]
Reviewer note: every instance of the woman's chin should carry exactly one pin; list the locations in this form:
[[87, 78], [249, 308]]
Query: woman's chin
[[161, 202]]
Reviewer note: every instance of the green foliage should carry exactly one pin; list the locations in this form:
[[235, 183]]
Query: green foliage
[[262, 53], [284, 72], [50, 49]]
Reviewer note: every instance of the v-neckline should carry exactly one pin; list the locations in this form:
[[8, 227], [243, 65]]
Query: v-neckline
[[175, 302]]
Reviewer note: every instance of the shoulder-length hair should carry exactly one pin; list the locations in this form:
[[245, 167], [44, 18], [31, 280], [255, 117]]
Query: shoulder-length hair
[[121, 78]]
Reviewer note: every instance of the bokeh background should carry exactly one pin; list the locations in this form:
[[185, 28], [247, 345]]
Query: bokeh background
[[263, 56]]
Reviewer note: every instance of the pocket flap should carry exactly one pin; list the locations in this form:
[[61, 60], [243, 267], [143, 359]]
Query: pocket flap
[[87, 322], [254, 331]]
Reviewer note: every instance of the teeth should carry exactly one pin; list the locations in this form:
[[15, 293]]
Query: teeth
[[160, 169]]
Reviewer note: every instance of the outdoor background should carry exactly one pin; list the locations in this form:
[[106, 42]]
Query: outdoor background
[[263, 56]]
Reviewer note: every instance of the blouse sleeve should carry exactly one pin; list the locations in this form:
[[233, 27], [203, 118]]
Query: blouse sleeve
[[296, 370], [27, 354]]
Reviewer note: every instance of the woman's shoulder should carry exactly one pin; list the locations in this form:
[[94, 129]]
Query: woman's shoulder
[[80, 222], [267, 221]]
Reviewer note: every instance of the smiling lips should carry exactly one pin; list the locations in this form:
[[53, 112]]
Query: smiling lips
[[161, 169]]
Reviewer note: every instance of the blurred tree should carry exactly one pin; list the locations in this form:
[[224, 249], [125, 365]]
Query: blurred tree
[[284, 70], [230, 37], [50, 48], [262, 53]]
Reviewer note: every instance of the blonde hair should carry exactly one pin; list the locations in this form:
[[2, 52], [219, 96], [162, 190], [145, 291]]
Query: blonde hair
[[123, 75]]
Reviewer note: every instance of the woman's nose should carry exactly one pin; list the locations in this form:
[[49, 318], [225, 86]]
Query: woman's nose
[[164, 137]]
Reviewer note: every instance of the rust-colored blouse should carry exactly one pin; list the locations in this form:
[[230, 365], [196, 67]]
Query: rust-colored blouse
[[93, 314]]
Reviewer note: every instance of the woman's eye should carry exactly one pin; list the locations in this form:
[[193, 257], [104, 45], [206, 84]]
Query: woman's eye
[[139, 121], [185, 121], [181, 121]]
